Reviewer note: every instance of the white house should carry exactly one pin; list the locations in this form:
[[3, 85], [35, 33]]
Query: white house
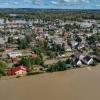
[[87, 60], [14, 54]]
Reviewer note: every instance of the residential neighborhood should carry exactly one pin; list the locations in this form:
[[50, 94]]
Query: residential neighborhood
[[29, 43]]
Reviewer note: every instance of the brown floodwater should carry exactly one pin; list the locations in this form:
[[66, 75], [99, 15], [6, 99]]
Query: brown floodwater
[[76, 84]]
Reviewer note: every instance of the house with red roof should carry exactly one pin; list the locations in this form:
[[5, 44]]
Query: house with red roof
[[19, 71]]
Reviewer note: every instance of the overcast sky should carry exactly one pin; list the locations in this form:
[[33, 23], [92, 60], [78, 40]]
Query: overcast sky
[[61, 4]]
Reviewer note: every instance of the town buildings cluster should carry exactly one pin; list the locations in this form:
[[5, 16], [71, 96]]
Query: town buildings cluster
[[37, 38]]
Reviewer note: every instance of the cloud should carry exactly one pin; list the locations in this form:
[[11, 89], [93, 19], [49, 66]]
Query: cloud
[[37, 2], [86, 1], [6, 3], [98, 5], [51, 3], [16, 3], [27, 1], [66, 0], [76, 1], [54, 2]]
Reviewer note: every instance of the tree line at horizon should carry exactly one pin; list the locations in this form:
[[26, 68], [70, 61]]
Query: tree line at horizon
[[73, 15]]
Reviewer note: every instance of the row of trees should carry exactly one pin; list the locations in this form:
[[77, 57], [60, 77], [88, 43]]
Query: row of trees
[[24, 43], [60, 66], [29, 62], [67, 15], [93, 39], [64, 15]]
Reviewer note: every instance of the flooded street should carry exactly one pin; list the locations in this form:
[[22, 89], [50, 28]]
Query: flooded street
[[76, 84]]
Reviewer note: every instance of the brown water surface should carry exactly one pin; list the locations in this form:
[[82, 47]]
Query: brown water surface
[[77, 84]]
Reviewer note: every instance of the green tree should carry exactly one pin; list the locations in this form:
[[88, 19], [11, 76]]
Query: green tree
[[60, 66], [91, 40], [3, 67], [10, 40], [39, 61], [27, 61], [22, 44], [28, 38]]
